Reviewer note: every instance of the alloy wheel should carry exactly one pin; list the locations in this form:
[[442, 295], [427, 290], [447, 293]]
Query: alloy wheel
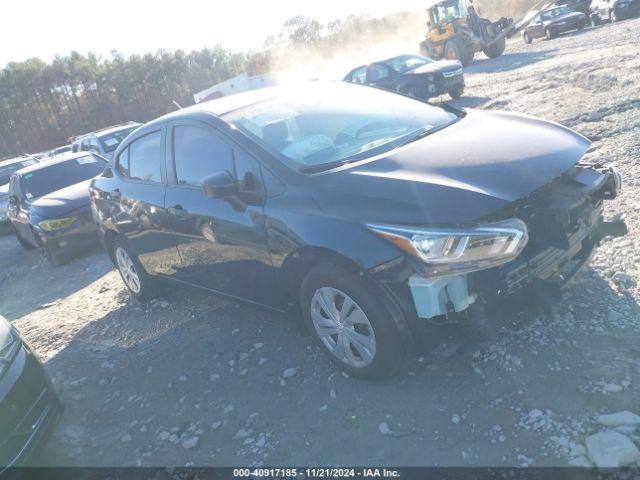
[[128, 270], [343, 327]]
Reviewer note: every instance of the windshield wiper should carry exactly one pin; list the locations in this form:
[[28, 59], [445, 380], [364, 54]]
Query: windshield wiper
[[324, 166]]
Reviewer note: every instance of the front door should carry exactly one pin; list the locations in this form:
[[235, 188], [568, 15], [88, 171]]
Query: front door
[[19, 211], [222, 242]]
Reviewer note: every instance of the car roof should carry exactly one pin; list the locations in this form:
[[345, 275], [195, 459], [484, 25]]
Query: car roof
[[107, 130], [63, 157], [12, 161]]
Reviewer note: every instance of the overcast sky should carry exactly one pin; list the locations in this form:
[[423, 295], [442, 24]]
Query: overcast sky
[[44, 28]]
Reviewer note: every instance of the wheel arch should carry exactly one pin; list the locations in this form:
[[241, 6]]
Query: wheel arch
[[300, 262]]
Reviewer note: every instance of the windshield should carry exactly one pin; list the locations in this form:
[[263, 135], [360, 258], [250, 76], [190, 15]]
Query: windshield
[[111, 141], [555, 12], [7, 170], [336, 122], [407, 63], [54, 177]]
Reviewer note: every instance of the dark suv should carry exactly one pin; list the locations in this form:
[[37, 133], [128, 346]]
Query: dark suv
[[359, 208]]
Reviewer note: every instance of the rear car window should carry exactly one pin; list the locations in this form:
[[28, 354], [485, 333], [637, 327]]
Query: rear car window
[[7, 170], [111, 141], [144, 158], [51, 178]]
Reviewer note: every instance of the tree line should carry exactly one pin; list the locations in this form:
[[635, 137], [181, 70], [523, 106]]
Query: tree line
[[43, 104]]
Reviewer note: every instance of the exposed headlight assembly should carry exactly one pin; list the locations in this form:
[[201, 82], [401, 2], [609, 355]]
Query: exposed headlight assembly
[[56, 223], [451, 251], [8, 345]]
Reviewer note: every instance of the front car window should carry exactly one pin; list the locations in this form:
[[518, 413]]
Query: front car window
[[111, 140], [51, 178], [378, 72], [145, 155], [199, 152], [7, 170], [406, 63], [330, 123]]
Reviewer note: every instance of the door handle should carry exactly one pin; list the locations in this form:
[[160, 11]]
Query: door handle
[[178, 211], [115, 194]]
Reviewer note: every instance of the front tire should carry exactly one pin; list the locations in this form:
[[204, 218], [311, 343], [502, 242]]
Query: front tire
[[55, 258], [135, 278], [456, 92], [350, 323], [595, 20], [22, 241], [527, 38], [549, 34], [496, 49], [456, 49]]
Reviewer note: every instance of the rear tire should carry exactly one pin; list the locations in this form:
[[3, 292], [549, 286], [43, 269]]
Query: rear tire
[[357, 332], [136, 279], [496, 48], [549, 34], [456, 49]]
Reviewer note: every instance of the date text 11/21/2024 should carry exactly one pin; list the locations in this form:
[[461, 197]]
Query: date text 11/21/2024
[[316, 472]]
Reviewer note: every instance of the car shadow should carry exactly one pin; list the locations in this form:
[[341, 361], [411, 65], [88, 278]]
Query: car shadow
[[508, 62], [29, 282], [469, 101]]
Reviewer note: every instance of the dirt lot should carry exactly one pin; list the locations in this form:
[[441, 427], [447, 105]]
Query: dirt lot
[[196, 379]]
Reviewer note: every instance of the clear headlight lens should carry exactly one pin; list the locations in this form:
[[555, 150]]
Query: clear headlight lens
[[459, 251], [56, 224]]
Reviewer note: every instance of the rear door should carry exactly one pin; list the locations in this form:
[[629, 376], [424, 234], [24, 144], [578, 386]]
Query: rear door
[[137, 201], [222, 242]]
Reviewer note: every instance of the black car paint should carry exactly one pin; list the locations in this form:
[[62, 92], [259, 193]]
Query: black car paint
[[259, 245], [430, 79], [538, 28], [29, 407]]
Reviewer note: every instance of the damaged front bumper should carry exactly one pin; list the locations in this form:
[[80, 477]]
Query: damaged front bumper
[[565, 223]]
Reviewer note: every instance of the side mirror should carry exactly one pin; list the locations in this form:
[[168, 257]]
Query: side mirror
[[219, 185], [108, 172]]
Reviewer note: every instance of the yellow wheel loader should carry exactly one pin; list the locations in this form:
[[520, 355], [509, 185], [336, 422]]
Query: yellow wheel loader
[[457, 32]]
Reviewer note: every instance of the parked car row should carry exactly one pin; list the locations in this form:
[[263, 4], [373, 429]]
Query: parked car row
[[570, 15]]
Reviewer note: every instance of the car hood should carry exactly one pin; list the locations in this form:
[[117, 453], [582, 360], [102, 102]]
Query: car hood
[[436, 67], [564, 18], [457, 175], [63, 201]]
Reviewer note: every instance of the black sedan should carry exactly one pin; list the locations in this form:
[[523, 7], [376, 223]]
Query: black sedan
[[369, 213], [412, 75], [554, 21], [49, 204], [29, 404]]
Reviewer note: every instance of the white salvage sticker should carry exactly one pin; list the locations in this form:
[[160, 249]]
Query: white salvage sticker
[[85, 160]]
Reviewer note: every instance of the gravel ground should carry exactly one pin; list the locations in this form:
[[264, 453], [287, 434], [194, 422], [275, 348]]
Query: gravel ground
[[193, 379]]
